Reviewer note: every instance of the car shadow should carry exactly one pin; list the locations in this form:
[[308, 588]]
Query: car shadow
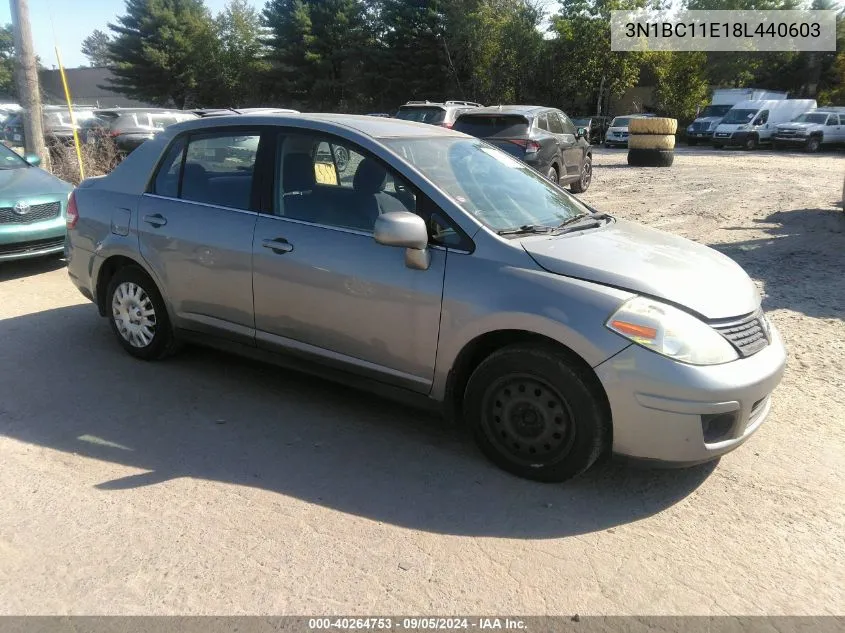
[[213, 416], [801, 260], [18, 269]]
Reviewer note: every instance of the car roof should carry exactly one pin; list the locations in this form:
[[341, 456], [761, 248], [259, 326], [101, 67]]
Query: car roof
[[376, 127], [509, 109], [135, 110]]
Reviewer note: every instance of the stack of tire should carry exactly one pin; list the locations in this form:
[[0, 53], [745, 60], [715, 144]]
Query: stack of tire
[[651, 142]]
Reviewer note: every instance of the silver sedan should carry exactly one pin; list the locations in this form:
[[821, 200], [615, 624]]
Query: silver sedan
[[431, 266]]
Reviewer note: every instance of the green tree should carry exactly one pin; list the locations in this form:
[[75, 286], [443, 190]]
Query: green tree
[[680, 82], [7, 62], [96, 48], [318, 49], [163, 51], [240, 58]]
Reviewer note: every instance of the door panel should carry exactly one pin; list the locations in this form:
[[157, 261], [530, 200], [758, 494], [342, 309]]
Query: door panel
[[570, 148], [353, 299], [203, 257]]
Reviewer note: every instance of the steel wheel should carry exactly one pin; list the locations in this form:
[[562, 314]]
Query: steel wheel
[[341, 157], [134, 314], [586, 173], [526, 419]]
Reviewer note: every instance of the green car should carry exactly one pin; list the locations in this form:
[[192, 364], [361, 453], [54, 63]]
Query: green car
[[32, 208]]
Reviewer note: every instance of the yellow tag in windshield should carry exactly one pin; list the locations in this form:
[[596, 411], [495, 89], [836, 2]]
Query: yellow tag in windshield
[[325, 174]]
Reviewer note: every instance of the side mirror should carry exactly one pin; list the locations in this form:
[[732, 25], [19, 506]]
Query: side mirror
[[581, 132], [408, 230], [32, 159]]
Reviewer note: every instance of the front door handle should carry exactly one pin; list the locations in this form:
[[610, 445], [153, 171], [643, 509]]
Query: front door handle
[[156, 219], [278, 245]]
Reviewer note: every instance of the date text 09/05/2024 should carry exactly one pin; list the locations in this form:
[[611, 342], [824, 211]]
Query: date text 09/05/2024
[[415, 624], [722, 29]]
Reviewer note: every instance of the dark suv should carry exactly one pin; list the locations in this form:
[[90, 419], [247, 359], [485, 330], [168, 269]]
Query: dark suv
[[442, 114], [545, 138]]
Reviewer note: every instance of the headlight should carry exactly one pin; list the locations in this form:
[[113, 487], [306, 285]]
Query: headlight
[[714, 125], [671, 332], [741, 127]]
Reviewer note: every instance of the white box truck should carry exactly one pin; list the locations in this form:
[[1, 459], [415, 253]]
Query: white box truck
[[752, 123], [701, 130]]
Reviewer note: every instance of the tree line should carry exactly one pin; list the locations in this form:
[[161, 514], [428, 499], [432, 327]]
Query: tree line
[[373, 55]]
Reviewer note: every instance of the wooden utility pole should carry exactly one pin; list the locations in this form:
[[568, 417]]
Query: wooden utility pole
[[27, 77]]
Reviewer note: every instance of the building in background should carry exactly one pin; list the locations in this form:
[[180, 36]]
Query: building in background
[[88, 86]]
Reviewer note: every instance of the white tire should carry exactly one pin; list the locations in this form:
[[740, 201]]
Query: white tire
[[652, 125], [651, 141]]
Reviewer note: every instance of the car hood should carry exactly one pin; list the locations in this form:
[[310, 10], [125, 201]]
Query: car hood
[[29, 182], [799, 126], [633, 257], [708, 119]]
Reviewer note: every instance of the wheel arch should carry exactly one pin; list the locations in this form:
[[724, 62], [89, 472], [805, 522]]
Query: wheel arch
[[107, 271], [473, 353]]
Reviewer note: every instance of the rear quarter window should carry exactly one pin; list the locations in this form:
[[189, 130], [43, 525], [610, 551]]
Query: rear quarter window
[[486, 125]]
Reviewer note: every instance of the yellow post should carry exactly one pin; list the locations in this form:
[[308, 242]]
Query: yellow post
[[72, 118]]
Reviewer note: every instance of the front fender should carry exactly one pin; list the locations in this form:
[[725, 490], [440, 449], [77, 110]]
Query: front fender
[[570, 311]]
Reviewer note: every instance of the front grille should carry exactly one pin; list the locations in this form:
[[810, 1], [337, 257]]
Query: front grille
[[31, 247], [747, 334], [787, 132], [31, 215], [701, 126]]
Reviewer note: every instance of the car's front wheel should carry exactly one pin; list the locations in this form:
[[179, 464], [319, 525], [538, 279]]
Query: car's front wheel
[[814, 144], [534, 413], [137, 314]]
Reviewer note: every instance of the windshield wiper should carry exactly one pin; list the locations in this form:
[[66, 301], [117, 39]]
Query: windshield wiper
[[583, 216], [525, 229]]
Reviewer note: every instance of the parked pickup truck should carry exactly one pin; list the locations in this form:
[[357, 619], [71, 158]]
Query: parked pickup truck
[[811, 130]]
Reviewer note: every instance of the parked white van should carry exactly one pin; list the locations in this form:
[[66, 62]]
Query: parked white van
[[701, 130], [752, 123]]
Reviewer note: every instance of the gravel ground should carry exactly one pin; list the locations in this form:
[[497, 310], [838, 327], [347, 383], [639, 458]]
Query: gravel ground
[[212, 485]]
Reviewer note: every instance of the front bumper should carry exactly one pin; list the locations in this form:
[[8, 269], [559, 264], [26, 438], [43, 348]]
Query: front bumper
[[32, 240], [664, 410], [616, 140], [790, 140], [702, 135], [733, 138]]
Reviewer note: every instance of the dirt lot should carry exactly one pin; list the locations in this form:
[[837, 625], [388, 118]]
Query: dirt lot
[[207, 484]]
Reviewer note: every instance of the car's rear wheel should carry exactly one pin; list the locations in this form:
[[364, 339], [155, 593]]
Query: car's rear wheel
[[535, 414], [585, 178], [137, 314], [552, 175]]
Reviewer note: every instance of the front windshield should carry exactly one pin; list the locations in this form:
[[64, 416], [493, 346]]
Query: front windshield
[[739, 116], [581, 122], [714, 110], [812, 117], [499, 190], [620, 121], [10, 160]]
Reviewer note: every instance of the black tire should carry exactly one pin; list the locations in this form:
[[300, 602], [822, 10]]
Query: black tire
[[814, 144], [162, 341], [750, 143], [552, 424], [651, 157], [776, 147], [552, 175], [717, 146], [692, 142], [585, 177]]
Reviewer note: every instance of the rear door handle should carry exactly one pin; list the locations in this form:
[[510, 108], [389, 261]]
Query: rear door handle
[[278, 245], [156, 219]]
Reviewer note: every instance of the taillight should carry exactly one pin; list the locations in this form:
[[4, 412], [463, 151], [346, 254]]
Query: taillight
[[72, 213], [530, 146], [448, 125], [114, 133]]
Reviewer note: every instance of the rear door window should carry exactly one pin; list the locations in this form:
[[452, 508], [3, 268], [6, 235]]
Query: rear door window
[[568, 125], [166, 182], [492, 125], [218, 169], [555, 124]]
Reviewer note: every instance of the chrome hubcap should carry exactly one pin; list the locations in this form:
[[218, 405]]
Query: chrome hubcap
[[134, 314], [587, 173]]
